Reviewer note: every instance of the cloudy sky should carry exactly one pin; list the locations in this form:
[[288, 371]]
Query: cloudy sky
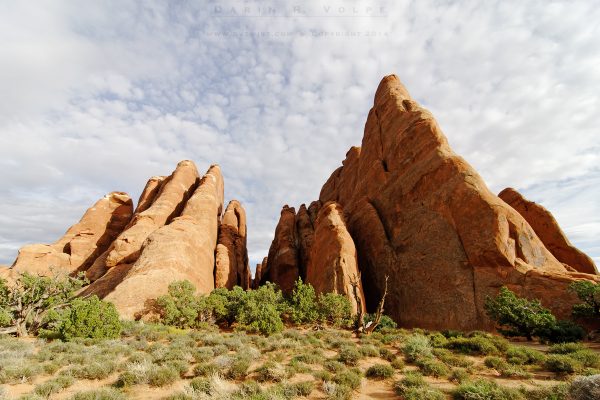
[[98, 96]]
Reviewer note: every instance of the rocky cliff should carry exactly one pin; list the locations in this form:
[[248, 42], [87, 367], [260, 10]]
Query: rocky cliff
[[421, 214], [131, 256], [402, 205]]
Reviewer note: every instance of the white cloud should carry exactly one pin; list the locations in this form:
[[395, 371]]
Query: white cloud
[[104, 95]]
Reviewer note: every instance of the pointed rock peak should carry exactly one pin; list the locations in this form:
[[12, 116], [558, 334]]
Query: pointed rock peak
[[235, 216], [150, 192], [391, 85]]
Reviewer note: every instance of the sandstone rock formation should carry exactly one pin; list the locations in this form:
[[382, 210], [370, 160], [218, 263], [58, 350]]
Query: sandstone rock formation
[[258, 273], [546, 227], [419, 213], [151, 190], [82, 242], [282, 261], [182, 250], [422, 215], [132, 257], [332, 262], [161, 201], [232, 256]]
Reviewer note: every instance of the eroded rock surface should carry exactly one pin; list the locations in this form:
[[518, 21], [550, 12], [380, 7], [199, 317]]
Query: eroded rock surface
[[282, 261], [546, 227], [82, 243], [231, 255], [422, 215], [169, 198], [182, 250], [332, 263]]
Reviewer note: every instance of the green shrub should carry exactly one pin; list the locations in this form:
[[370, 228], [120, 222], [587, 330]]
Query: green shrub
[[452, 359], [179, 307], [562, 332], [473, 345], [387, 354], [520, 355], [90, 318], [314, 357], [589, 293], [53, 386], [514, 371], [562, 364], [333, 366], [323, 375], [555, 392], [518, 316], [369, 351], [588, 358], [201, 385], [349, 355], [93, 370], [417, 346], [432, 367], [162, 376], [226, 304], [297, 389], [459, 375], [30, 305], [203, 354], [384, 323], [485, 390], [397, 363], [303, 303], [334, 309], [437, 339], [380, 371], [349, 377], [566, 348], [333, 391], [261, 310], [239, 368], [411, 380], [270, 372], [206, 369], [494, 362], [100, 394]]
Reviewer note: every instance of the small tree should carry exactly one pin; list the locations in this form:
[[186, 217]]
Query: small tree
[[90, 318], [518, 316], [589, 293], [303, 303], [226, 303], [27, 306], [261, 310], [180, 306], [334, 309]]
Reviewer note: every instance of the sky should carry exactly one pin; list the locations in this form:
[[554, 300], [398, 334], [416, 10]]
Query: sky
[[98, 96]]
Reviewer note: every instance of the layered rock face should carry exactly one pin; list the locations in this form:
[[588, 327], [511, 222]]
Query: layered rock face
[[182, 250], [332, 261], [82, 243], [546, 227], [282, 261], [258, 273], [314, 245], [132, 257], [232, 256], [420, 214]]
